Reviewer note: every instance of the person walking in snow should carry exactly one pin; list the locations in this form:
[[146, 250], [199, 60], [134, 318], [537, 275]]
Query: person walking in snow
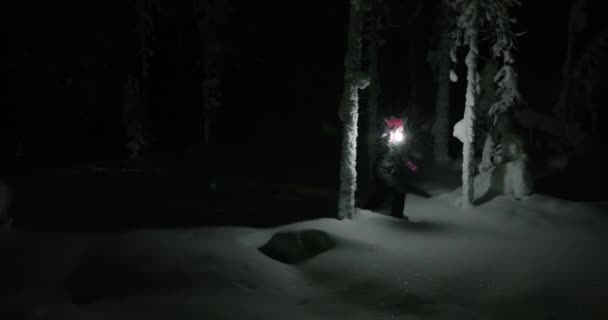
[[395, 166]]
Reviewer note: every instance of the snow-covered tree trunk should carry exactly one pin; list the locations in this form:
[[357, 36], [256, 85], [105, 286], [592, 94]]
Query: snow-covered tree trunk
[[471, 35], [348, 164], [576, 24], [354, 80]]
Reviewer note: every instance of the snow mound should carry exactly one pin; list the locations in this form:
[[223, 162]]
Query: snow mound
[[293, 247]]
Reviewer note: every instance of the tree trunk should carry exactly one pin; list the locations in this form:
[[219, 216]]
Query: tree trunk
[[349, 111], [211, 93], [181, 73], [131, 116], [468, 150], [441, 127], [145, 29], [575, 24], [136, 90], [372, 112], [212, 68]]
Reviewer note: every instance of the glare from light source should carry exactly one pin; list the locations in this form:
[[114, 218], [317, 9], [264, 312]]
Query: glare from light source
[[396, 136]]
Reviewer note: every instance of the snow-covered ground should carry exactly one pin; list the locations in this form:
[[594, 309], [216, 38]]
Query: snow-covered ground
[[543, 258]]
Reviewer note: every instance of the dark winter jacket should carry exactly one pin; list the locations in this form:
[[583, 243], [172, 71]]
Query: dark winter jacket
[[398, 166]]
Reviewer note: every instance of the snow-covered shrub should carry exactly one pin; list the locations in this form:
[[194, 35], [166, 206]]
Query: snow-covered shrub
[[508, 162]]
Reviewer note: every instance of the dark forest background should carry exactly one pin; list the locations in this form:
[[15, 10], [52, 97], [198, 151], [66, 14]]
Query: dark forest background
[[66, 64]]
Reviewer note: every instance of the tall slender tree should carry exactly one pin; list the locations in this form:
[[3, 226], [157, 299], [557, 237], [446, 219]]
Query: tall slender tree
[[212, 14], [374, 28], [467, 34], [576, 24], [415, 41], [588, 72], [137, 88], [354, 80], [439, 59], [475, 16], [132, 118]]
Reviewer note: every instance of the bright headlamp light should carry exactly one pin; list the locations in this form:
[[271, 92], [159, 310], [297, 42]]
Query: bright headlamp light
[[396, 136]]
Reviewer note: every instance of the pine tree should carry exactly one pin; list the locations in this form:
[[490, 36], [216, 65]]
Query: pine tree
[[475, 16], [498, 16], [506, 79], [354, 80]]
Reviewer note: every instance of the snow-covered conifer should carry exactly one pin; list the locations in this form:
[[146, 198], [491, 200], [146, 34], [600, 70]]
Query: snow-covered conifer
[[467, 33]]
